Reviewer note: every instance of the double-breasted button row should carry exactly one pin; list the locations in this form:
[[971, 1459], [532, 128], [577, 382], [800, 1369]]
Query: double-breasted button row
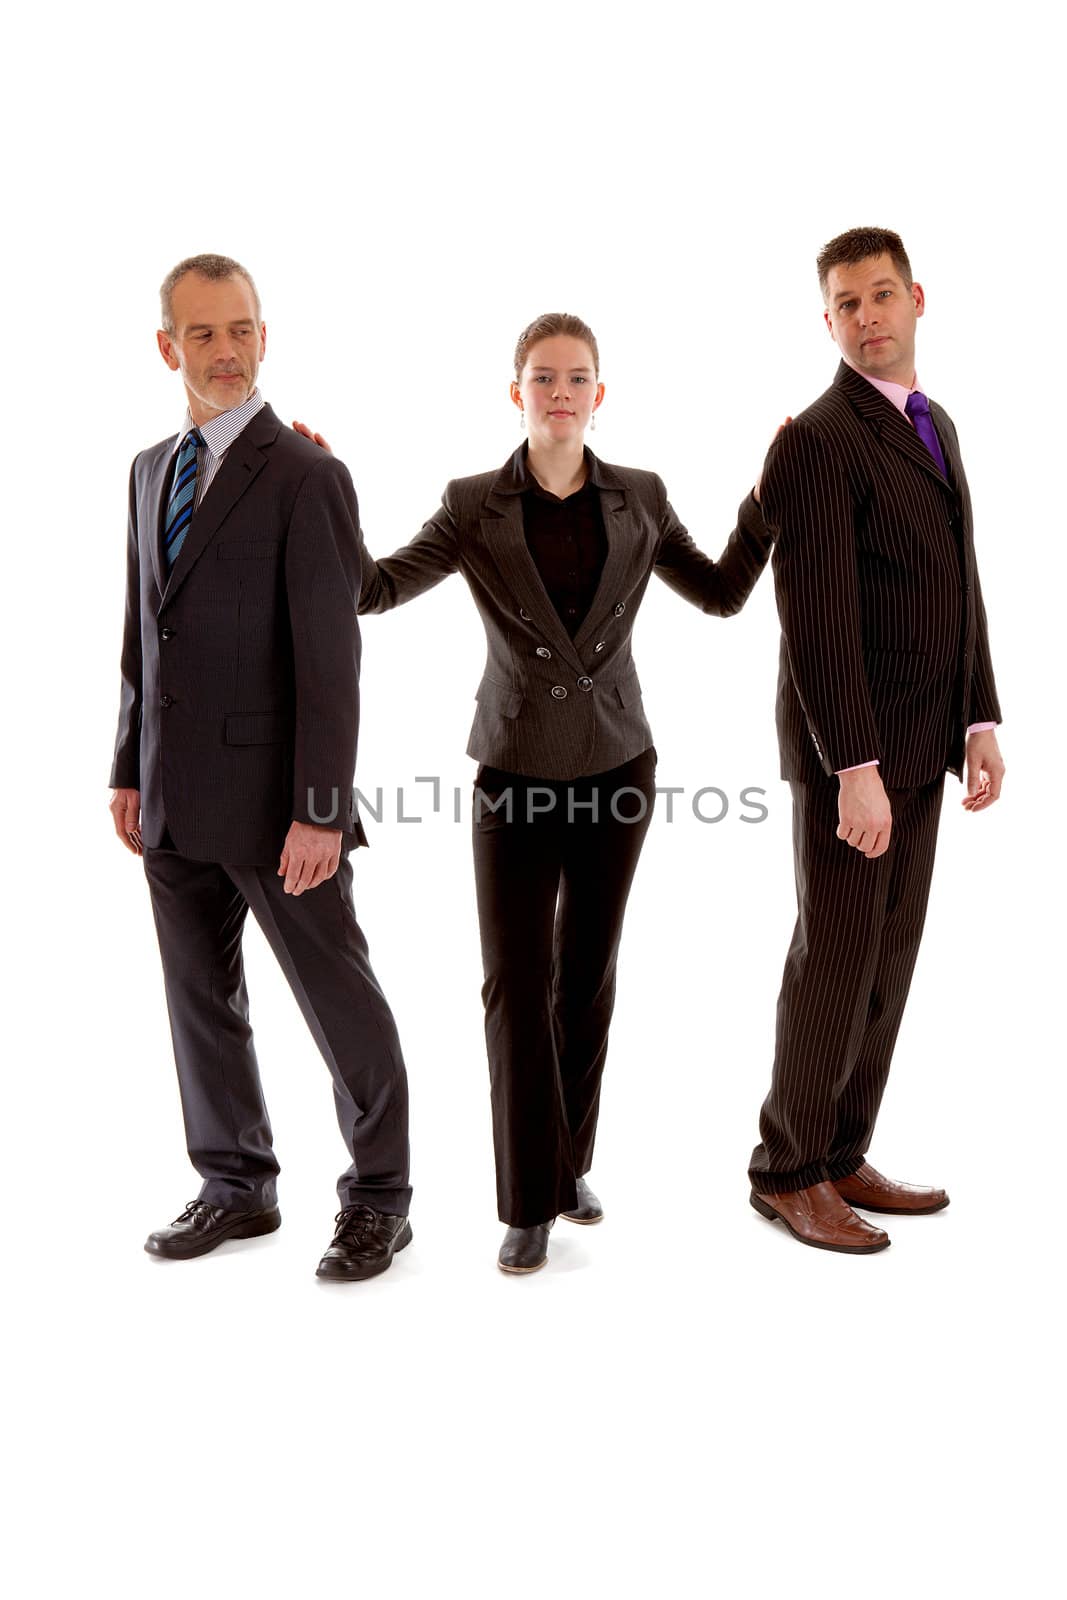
[[167, 633], [559, 692], [166, 700]]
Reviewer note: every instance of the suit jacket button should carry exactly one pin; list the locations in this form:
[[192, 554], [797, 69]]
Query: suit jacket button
[[598, 647], [166, 700], [558, 692], [166, 633], [585, 683], [620, 608], [525, 615], [546, 655]]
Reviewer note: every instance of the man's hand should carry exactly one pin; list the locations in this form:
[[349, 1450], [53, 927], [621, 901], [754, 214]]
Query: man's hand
[[316, 438], [309, 856], [125, 808], [985, 771], [759, 480], [865, 812]]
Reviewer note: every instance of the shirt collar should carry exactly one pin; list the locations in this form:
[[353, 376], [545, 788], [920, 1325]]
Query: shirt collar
[[221, 431], [896, 393], [516, 478]]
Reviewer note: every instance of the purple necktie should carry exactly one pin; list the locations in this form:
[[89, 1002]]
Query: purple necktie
[[918, 408]]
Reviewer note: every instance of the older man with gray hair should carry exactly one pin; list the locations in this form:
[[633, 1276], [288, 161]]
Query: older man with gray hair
[[233, 773]]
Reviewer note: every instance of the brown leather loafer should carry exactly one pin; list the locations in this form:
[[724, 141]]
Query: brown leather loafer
[[871, 1192], [820, 1217]]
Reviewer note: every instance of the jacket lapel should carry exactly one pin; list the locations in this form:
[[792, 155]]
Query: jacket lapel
[[618, 527], [503, 531], [244, 462], [893, 428], [951, 454], [151, 508]]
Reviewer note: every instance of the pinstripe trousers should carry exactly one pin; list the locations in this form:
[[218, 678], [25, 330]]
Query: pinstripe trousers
[[845, 985]]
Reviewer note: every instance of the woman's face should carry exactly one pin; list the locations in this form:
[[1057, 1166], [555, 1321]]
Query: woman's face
[[558, 391]]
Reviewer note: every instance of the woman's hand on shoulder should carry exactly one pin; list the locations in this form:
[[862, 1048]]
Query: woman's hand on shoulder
[[316, 438]]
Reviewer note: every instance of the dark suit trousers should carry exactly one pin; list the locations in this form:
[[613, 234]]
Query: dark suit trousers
[[845, 985], [200, 909], [552, 892]]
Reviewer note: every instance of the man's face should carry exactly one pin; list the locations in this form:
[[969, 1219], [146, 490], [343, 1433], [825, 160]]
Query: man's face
[[217, 343], [871, 315]]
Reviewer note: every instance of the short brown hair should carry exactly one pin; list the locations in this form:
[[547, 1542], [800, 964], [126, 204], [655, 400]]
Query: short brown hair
[[208, 266], [857, 245], [553, 322]]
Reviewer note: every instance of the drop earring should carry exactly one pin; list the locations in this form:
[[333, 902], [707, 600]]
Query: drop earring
[[592, 421], [522, 420]]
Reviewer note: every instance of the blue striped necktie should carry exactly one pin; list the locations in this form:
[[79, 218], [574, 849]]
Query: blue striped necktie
[[182, 497]]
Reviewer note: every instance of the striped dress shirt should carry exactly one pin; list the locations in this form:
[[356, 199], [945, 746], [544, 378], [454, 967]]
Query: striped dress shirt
[[218, 435]]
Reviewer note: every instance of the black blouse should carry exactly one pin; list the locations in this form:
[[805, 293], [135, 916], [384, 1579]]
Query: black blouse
[[568, 544]]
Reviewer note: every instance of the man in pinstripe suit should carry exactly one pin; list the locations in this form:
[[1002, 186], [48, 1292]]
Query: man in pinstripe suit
[[885, 683]]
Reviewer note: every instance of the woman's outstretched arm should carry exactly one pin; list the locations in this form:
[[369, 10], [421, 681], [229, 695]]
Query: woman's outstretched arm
[[717, 587], [411, 570]]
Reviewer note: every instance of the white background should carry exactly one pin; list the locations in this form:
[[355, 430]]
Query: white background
[[684, 1402]]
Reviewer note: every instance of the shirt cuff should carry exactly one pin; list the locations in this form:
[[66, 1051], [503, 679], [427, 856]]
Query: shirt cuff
[[857, 768], [980, 727]]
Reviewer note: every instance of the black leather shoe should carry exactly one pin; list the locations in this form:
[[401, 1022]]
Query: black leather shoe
[[588, 1208], [201, 1227], [524, 1249], [364, 1244]]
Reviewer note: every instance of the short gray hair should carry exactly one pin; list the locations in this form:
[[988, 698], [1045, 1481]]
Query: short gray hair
[[208, 266]]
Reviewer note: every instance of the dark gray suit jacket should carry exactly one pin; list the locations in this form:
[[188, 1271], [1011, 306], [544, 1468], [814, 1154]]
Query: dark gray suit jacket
[[550, 706], [885, 653], [239, 710]]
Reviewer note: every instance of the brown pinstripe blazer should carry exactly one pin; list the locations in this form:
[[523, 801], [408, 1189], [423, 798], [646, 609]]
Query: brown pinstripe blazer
[[550, 706], [884, 651]]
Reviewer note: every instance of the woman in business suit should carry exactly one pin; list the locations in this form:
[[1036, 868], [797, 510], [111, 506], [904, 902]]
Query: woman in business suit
[[557, 547]]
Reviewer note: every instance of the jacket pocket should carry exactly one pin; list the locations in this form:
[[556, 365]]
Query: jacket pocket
[[628, 690], [267, 727], [248, 549], [499, 698], [896, 666]]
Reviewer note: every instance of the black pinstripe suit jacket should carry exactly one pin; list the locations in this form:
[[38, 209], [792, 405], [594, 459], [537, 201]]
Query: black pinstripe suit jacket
[[884, 651], [550, 706], [240, 669]]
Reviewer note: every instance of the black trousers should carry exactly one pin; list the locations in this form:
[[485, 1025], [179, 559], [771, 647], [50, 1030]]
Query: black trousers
[[553, 864], [200, 909], [845, 985]]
